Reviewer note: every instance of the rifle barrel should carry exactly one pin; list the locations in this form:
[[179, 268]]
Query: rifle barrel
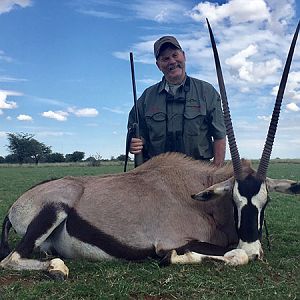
[[138, 158]]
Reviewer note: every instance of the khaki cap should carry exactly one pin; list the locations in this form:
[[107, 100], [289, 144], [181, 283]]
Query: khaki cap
[[165, 40]]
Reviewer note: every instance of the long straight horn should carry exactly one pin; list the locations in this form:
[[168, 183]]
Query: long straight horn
[[235, 157], [265, 158]]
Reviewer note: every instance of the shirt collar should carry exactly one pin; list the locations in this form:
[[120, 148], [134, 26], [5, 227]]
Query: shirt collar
[[163, 86]]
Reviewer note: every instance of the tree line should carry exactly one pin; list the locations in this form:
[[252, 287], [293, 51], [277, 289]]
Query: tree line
[[24, 148]]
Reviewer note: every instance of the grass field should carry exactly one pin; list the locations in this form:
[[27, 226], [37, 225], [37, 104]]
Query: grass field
[[277, 277]]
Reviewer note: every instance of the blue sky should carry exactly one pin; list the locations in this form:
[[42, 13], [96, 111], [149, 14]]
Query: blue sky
[[65, 72]]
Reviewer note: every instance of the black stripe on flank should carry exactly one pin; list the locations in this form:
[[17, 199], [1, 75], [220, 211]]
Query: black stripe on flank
[[87, 233]]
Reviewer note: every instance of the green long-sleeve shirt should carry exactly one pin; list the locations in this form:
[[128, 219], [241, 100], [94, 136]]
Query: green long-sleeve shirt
[[187, 122]]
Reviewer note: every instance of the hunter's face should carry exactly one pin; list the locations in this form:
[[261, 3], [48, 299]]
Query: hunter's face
[[172, 63]]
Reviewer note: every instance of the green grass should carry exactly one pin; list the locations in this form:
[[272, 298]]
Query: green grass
[[277, 277]]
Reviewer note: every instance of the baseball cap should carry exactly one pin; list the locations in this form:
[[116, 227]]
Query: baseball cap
[[165, 40]]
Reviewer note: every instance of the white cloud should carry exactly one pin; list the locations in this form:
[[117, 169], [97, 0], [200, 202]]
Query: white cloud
[[24, 118], [281, 13], [245, 69], [11, 79], [57, 115], [100, 14], [159, 11], [4, 103], [293, 107], [264, 118], [2, 134], [292, 90], [115, 110], [54, 133], [84, 112], [8, 5], [235, 10]]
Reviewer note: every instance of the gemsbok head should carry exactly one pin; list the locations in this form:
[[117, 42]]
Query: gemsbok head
[[250, 188]]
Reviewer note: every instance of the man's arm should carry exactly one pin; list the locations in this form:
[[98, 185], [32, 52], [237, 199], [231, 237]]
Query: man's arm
[[219, 151]]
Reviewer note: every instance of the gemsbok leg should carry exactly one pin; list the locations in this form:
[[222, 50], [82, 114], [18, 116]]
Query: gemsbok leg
[[40, 228]]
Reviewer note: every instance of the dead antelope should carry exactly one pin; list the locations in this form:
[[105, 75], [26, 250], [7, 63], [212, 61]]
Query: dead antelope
[[155, 210]]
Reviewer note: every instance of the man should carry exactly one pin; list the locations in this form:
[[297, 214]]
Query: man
[[180, 113]]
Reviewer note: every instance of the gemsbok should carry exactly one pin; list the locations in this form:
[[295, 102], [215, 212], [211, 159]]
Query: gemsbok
[[172, 208]]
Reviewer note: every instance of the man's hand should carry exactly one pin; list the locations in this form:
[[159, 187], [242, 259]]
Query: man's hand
[[136, 146]]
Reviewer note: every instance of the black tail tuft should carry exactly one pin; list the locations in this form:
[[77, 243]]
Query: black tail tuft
[[4, 247]]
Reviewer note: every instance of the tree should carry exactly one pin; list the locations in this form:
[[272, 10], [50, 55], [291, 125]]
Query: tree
[[94, 161], [54, 157], [2, 160], [11, 159], [75, 156], [24, 146], [38, 150], [121, 157]]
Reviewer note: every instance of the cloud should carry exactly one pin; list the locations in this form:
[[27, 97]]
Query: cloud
[[143, 52], [264, 118], [4, 103], [292, 90], [235, 10], [50, 101], [11, 79], [4, 57], [24, 118], [2, 134], [84, 112], [100, 14], [160, 11], [292, 107], [245, 69], [8, 5], [115, 110], [57, 115], [54, 133]]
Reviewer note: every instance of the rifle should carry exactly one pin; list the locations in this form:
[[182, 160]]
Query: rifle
[[138, 158]]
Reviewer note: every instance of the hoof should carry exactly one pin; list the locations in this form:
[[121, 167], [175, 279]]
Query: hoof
[[166, 260], [236, 257], [58, 270]]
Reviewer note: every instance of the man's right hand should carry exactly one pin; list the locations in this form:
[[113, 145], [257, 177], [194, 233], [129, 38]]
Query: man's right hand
[[136, 146]]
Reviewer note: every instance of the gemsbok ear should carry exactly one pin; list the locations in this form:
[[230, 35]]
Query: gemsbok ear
[[283, 186], [215, 190]]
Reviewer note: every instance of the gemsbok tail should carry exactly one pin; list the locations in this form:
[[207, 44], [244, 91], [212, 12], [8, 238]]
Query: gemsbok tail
[[4, 247]]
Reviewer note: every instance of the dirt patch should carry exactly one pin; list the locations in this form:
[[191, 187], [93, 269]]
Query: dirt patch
[[13, 278]]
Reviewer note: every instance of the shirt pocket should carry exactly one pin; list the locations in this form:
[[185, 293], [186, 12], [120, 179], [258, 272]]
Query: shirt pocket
[[156, 124], [195, 122]]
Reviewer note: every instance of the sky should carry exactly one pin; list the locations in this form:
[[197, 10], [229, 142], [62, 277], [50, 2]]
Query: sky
[[65, 71]]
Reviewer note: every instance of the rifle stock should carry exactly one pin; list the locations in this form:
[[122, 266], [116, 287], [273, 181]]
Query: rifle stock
[[138, 158]]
